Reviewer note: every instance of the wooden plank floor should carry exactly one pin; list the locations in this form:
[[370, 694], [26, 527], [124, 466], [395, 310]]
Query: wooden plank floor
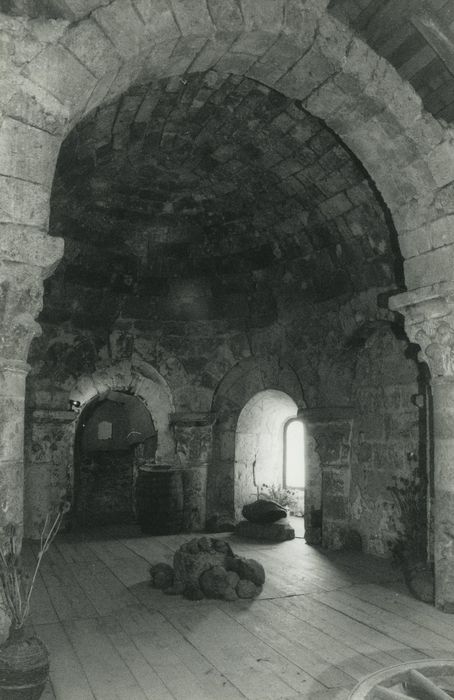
[[322, 622]]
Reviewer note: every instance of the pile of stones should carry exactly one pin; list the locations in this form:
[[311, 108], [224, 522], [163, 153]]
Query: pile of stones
[[206, 567]]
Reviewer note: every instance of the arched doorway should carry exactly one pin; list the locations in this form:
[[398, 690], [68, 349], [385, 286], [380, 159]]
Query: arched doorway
[[260, 447], [252, 403], [322, 92], [114, 436]]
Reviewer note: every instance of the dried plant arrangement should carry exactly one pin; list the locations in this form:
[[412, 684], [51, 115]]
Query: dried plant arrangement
[[16, 584]]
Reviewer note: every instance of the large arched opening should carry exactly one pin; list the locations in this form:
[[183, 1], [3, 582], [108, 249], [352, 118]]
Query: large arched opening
[[301, 53]]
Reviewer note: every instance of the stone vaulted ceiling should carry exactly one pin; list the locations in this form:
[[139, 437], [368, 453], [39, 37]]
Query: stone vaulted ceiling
[[219, 182]]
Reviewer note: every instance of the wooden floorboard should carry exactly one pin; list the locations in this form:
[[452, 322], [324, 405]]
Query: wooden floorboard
[[323, 622]]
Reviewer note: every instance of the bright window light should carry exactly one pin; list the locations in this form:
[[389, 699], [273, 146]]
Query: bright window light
[[294, 455]]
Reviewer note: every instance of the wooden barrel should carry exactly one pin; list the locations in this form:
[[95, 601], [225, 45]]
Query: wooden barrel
[[159, 501]]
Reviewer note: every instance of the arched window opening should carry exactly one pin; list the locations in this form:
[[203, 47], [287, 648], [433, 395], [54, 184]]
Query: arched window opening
[[259, 446], [294, 463]]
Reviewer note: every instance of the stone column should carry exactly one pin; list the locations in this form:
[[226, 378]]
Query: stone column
[[24, 262], [329, 431], [429, 322], [49, 465], [193, 442]]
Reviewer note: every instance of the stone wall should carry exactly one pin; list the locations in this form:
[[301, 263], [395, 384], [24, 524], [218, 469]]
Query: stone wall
[[386, 438], [49, 463]]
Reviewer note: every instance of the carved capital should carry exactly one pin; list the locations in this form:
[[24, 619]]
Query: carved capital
[[21, 293], [429, 322]]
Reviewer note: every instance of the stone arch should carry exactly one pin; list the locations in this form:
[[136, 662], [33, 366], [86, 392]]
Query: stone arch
[[241, 383], [56, 72], [106, 468], [140, 380], [49, 445], [259, 445], [297, 49]]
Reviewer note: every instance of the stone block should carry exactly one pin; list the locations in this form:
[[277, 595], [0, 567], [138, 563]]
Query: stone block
[[158, 18], [265, 15], [418, 174], [441, 163], [235, 63], [22, 243], [336, 206], [193, 17], [194, 506], [32, 105], [212, 52], [182, 56], [27, 153], [412, 215], [326, 101], [287, 49], [399, 96], [126, 76], [12, 380], [332, 40], [23, 202], [430, 268], [254, 43], [265, 73], [444, 200], [360, 61], [11, 427], [88, 42], [81, 8], [414, 243], [275, 532], [426, 132], [62, 76], [102, 89], [11, 492], [226, 15], [310, 71], [123, 26]]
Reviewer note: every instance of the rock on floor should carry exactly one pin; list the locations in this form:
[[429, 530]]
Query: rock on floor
[[207, 567]]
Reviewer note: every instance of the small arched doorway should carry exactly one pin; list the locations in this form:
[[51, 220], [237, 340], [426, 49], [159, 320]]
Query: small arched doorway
[[114, 436], [267, 453]]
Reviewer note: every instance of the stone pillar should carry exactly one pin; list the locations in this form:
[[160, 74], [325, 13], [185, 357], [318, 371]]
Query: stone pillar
[[49, 465], [13, 374], [24, 262], [329, 431], [193, 443], [429, 322]]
